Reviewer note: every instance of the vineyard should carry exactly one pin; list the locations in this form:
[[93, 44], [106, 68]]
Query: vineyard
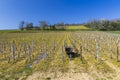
[[42, 56]]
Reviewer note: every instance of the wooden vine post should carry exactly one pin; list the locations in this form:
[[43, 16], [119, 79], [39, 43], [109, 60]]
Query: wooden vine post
[[97, 50], [63, 54], [109, 48], [54, 46], [81, 54], [13, 50], [29, 53], [3, 48], [118, 45]]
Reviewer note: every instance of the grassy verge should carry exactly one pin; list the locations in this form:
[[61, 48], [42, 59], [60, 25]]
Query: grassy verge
[[115, 32], [68, 28]]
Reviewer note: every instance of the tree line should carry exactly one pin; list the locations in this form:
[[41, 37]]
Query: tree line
[[43, 25], [104, 25]]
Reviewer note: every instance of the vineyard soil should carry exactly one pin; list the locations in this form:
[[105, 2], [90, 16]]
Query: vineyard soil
[[42, 56]]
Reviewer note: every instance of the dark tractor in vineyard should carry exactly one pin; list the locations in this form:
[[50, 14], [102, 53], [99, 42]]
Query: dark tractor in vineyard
[[70, 53]]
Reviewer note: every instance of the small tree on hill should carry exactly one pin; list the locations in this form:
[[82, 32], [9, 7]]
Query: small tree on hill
[[43, 24], [21, 25], [29, 26]]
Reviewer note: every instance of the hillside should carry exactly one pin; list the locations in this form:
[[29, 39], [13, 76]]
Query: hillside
[[77, 27]]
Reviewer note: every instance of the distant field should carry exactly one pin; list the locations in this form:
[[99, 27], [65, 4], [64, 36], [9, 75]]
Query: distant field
[[24, 31], [9, 31], [77, 28], [116, 32], [68, 28]]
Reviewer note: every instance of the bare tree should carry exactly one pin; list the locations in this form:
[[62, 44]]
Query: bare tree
[[21, 25], [29, 25], [43, 24]]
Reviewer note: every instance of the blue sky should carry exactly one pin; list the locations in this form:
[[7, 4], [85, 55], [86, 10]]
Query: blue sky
[[54, 11]]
